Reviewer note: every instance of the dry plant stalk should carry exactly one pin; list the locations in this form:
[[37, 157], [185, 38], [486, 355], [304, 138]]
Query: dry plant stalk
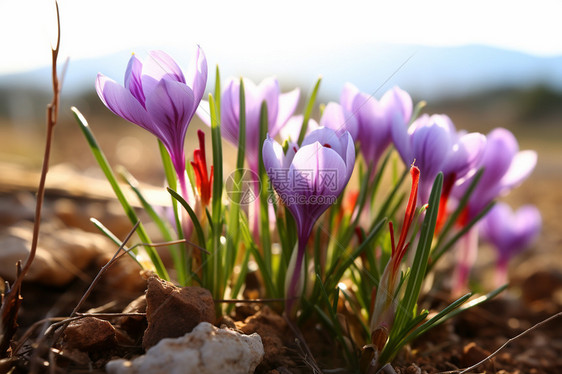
[[12, 299]]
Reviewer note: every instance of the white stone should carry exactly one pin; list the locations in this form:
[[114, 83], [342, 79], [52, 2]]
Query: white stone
[[205, 350]]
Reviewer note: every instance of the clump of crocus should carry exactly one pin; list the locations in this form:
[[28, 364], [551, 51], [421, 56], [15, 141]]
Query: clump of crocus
[[308, 180], [158, 97], [504, 167], [375, 118], [510, 233], [385, 302]]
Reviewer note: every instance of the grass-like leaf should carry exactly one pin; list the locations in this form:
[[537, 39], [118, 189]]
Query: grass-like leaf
[[308, 111], [110, 176]]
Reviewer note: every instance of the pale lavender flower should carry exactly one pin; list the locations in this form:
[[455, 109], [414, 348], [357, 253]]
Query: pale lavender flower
[[505, 167], [309, 180], [375, 118], [158, 97], [280, 107], [510, 233], [435, 146]]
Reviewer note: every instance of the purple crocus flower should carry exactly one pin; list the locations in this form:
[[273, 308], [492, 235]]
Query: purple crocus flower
[[279, 108], [505, 167], [435, 146], [309, 180], [159, 98], [375, 118], [510, 233]]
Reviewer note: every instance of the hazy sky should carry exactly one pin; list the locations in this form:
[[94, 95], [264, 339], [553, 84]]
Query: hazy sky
[[268, 31]]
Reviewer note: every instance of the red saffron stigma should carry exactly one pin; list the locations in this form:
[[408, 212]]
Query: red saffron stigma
[[199, 163]]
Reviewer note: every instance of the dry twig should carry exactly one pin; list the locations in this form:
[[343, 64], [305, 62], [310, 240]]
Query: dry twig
[[12, 299]]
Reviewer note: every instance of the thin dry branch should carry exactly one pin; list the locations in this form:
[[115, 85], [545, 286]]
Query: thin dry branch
[[495, 353], [12, 299]]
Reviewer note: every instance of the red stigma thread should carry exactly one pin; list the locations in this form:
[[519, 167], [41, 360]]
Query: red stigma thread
[[203, 180]]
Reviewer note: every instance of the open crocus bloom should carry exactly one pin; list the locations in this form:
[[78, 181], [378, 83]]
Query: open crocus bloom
[[435, 146], [159, 98], [308, 180], [510, 232], [374, 118], [505, 167], [279, 108]]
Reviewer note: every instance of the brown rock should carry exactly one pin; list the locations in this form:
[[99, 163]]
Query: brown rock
[[172, 312], [472, 354], [541, 285], [90, 334], [134, 326]]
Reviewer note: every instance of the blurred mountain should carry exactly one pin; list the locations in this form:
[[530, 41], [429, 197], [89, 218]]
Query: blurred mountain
[[430, 73]]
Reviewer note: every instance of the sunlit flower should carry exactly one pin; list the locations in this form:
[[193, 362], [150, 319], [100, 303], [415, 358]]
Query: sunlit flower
[[308, 180], [159, 98], [375, 117], [436, 146], [505, 167], [510, 233]]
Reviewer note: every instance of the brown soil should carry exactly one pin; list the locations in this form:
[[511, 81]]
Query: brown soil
[[534, 295]]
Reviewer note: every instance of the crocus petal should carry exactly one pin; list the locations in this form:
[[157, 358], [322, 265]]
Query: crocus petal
[[510, 232], [159, 66], [337, 118], [374, 127], [521, 167], [196, 76], [269, 91], [292, 128], [398, 100], [133, 79], [326, 168], [349, 154], [287, 104], [273, 157], [121, 102], [431, 144], [171, 106], [401, 137], [325, 136], [501, 147], [464, 154], [230, 109], [348, 95]]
